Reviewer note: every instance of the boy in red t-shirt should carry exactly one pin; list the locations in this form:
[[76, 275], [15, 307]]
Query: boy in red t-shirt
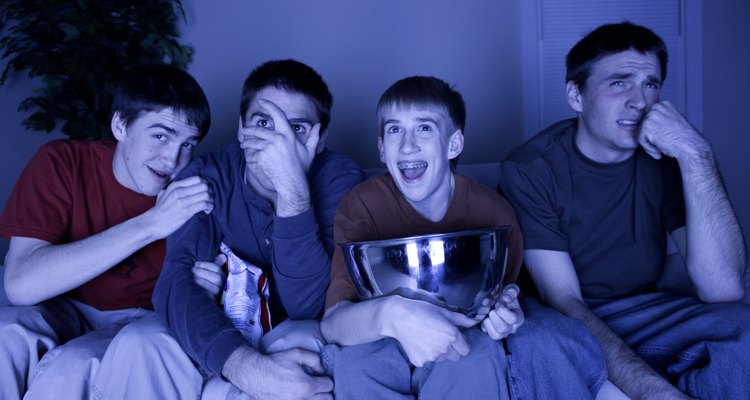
[[86, 221]]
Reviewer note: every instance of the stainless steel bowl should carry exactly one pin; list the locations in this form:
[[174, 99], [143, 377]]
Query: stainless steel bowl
[[456, 270]]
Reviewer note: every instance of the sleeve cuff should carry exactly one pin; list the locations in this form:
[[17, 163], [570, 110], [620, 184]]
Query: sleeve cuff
[[296, 226]]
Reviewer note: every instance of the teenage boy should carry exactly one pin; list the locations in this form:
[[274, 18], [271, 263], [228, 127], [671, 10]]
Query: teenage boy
[[392, 347], [597, 196], [86, 221], [276, 190]]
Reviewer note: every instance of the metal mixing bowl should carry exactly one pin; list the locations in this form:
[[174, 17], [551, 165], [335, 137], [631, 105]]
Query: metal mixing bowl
[[456, 270]]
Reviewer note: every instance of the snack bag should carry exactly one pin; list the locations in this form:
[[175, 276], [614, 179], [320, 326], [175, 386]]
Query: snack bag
[[245, 297]]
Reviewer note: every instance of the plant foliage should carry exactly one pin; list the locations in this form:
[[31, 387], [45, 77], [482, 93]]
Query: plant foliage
[[78, 49]]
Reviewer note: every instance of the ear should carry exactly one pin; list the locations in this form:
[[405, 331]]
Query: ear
[[380, 149], [573, 96], [119, 130], [322, 142], [455, 144]]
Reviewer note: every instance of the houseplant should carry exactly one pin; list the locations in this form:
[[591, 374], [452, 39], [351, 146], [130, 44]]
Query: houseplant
[[77, 49]]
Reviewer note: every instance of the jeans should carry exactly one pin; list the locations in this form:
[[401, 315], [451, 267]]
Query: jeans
[[550, 357], [703, 349], [52, 350]]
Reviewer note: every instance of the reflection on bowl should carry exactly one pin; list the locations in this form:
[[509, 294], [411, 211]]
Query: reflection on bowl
[[456, 270]]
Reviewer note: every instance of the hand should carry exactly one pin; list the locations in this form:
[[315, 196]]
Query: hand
[[177, 203], [665, 131], [507, 316], [427, 332], [210, 276], [279, 153], [293, 374]]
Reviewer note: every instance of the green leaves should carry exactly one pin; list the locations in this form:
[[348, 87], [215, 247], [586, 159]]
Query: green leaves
[[79, 49]]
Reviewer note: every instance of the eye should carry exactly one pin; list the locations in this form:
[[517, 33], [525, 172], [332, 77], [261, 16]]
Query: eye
[[160, 137], [392, 129], [265, 123], [299, 128], [188, 146], [617, 84], [424, 128], [653, 85]]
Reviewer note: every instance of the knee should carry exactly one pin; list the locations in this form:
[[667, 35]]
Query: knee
[[545, 328], [147, 333]]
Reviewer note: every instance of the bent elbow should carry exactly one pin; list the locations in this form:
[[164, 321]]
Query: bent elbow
[[18, 297], [728, 295]]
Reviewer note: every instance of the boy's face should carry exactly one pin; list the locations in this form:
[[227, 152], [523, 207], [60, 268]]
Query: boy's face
[[619, 93], [416, 146], [301, 115], [152, 150]]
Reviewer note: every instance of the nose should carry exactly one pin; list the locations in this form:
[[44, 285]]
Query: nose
[[170, 156], [637, 99], [409, 143]]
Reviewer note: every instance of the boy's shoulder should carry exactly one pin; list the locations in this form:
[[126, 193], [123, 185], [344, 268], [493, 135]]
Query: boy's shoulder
[[549, 144]]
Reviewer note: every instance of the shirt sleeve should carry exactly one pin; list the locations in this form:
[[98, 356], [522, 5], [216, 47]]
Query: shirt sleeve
[[303, 244], [198, 323], [352, 223], [532, 197], [40, 204]]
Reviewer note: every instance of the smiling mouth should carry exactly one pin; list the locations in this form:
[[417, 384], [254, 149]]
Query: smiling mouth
[[412, 169], [631, 124], [161, 174]]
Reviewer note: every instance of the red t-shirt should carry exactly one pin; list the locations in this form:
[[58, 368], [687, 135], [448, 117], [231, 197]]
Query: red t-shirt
[[68, 192], [376, 209]]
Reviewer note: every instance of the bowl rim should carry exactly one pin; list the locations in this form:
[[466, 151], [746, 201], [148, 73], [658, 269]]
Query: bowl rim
[[502, 230]]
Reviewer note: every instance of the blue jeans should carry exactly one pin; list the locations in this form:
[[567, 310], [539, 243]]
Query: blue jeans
[[549, 357], [703, 349]]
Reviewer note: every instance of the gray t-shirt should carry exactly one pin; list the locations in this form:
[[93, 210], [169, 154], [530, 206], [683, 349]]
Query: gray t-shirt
[[612, 219]]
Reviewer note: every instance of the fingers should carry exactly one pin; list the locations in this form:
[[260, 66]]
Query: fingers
[[313, 366], [277, 115], [209, 276], [510, 294], [507, 316], [220, 260], [458, 319], [649, 148], [310, 360], [665, 131], [311, 144]]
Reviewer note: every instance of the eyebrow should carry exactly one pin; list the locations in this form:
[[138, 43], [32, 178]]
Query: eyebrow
[[164, 127], [627, 75], [291, 121], [426, 119], [173, 132], [619, 75]]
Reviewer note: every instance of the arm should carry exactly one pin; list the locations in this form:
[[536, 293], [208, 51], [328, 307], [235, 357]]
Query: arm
[[38, 270], [555, 278], [712, 242], [293, 374], [303, 245], [426, 332]]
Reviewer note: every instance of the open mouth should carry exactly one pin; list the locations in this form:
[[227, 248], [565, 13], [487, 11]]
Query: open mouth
[[412, 169], [161, 174], [630, 124]]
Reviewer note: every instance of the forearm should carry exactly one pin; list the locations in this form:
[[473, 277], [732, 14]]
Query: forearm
[[235, 369], [302, 266], [348, 323], [38, 270], [715, 253], [197, 322], [626, 369], [293, 199]]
